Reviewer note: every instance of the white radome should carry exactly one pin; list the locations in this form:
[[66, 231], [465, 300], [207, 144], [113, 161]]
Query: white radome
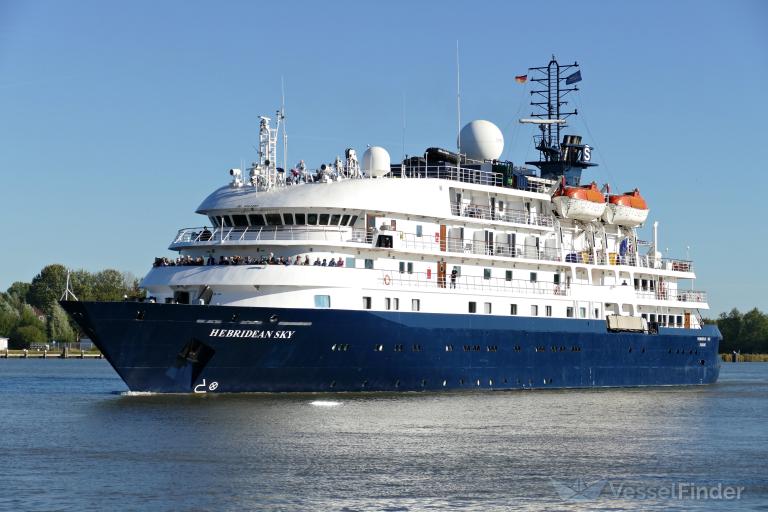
[[481, 140], [376, 161]]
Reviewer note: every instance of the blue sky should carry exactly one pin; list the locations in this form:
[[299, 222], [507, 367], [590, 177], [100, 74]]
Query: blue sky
[[118, 118]]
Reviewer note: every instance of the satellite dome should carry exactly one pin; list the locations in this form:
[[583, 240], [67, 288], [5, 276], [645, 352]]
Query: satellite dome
[[376, 161], [481, 140]]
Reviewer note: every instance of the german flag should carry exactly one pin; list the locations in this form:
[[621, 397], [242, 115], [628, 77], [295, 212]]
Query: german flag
[[521, 79]]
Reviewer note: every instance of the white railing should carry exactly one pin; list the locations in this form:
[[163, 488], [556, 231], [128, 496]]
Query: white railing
[[473, 283], [451, 172], [475, 211], [204, 235], [676, 296]]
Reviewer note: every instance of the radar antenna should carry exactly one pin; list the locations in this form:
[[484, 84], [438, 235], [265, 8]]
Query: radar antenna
[[549, 100]]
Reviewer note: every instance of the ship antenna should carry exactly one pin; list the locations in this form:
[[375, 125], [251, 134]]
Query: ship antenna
[[458, 103], [282, 116]]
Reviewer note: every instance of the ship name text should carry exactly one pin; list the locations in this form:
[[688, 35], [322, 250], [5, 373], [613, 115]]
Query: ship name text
[[248, 333]]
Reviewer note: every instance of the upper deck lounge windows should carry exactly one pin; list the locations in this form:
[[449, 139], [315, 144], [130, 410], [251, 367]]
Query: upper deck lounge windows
[[240, 221]]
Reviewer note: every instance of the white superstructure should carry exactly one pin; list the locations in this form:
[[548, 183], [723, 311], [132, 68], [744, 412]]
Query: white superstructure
[[430, 236]]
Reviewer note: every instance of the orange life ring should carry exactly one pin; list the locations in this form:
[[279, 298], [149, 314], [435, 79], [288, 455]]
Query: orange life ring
[[387, 280]]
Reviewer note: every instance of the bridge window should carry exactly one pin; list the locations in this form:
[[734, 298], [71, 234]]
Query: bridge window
[[227, 221], [240, 221], [324, 219], [353, 221], [256, 219], [288, 219], [312, 219], [335, 220], [301, 219], [345, 220], [274, 219]]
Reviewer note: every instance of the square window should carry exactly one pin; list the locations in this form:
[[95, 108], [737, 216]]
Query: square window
[[533, 277], [582, 312], [322, 301], [369, 264], [387, 303], [508, 275], [473, 307], [487, 308], [402, 267], [419, 230], [548, 310], [534, 310], [350, 263], [569, 312], [557, 278], [415, 305], [410, 267], [597, 312], [486, 273], [366, 303], [513, 309]]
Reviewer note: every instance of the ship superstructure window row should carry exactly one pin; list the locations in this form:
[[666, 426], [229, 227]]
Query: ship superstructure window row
[[283, 219]]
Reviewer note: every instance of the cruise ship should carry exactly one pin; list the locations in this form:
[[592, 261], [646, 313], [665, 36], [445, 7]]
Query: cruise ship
[[451, 270]]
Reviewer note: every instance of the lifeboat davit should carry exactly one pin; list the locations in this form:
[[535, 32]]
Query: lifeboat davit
[[585, 203], [628, 209]]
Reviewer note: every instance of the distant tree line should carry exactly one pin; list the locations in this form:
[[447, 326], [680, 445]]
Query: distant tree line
[[30, 312], [746, 333]]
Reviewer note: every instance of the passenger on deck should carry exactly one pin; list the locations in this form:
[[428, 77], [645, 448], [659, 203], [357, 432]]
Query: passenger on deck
[[340, 262], [306, 260], [332, 263], [324, 263], [317, 262], [297, 261]]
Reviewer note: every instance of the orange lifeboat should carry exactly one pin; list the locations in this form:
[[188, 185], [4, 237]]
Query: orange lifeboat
[[628, 209], [585, 203]]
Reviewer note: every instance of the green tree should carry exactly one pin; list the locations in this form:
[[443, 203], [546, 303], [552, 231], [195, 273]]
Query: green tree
[[82, 283], [47, 287], [730, 327], [109, 285], [754, 332], [9, 315], [59, 326], [23, 335], [19, 291]]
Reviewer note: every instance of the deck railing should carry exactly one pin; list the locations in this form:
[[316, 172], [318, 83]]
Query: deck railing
[[423, 243], [474, 211]]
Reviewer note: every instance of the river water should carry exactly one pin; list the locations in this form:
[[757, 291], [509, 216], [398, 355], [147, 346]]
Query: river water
[[73, 439]]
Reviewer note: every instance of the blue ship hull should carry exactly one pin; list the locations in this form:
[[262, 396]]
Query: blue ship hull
[[176, 348]]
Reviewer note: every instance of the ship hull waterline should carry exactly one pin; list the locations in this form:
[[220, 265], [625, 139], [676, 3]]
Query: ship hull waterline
[[178, 348]]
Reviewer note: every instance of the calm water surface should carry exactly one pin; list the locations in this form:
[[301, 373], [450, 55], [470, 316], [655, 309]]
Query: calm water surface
[[73, 440]]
